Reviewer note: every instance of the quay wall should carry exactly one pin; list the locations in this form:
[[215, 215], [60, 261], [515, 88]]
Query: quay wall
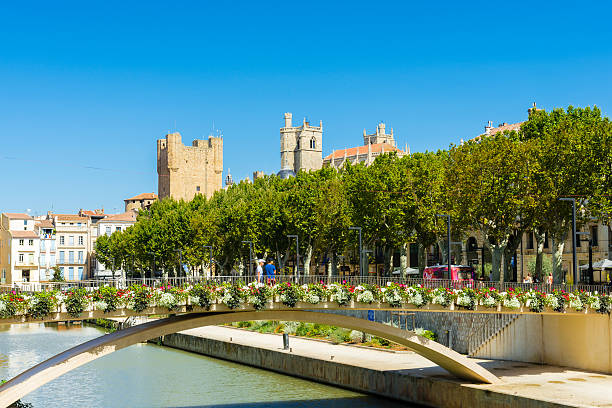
[[578, 341], [429, 391]]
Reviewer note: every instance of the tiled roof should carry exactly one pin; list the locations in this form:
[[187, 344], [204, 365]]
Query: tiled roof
[[23, 234], [18, 216], [503, 128], [44, 224], [361, 150], [129, 216], [143, 196], [94, 213]]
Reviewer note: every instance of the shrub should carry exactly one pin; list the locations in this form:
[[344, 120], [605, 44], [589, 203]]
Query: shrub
[[41, 304], [426, 333], [76, 300], [340, 335]]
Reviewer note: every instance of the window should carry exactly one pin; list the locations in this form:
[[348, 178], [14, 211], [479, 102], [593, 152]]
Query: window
[[53, 245], [43, 259], [62, 272], [61, 260], [298, 143], [3, 273], [197, 188], [70, 256], [31, 242], [79, 224], [80, 240], [52, 262], [71, 240], [594, 236], [80, 257], [546, 240], [108, 230], [313, 145], [20, 258], [118, 229], [529, 240], [578, 241], [21, 242], [80, 274], [25, 223], [71, 273], [62, 240], [42, 245], [30, 259]]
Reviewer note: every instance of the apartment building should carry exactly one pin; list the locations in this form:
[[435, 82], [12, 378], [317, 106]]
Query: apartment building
[[47, 238], [72, 245], [106, 226], [19, 249]]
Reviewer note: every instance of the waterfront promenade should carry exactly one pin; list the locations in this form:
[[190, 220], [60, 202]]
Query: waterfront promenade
[[408, 374]]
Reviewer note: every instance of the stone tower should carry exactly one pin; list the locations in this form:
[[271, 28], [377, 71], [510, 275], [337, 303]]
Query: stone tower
[[380, 136], [301, 146], [184, 171]]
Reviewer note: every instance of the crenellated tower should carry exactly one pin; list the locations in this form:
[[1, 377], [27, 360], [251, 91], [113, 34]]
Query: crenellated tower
[[301, 147]]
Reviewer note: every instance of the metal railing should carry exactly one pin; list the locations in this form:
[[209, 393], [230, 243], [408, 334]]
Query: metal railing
[[490, 327], [303, 279]]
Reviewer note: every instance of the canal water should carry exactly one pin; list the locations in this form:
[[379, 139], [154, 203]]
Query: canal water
[[147, 375]]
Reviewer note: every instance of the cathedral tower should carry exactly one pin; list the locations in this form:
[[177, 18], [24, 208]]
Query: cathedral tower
[[301, 147]]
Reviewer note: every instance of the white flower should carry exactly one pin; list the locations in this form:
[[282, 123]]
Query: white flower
[[389, 283], [416, 299], [552, 301], [464, 300], [576, 303], [255, 301], [438, 300], [312, 297], [2, 306], [194, 300], [365, 297], [489, 301], [100, 305], [227, 298], [512, 303], [594, 302], [305, 286], [167, 300]]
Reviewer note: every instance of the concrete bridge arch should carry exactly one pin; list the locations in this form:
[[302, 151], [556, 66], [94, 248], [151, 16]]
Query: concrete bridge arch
[[68, 360]]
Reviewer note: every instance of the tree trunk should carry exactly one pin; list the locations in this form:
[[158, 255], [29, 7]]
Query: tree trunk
[[442, 244], [540, 236], [388, 253], [497, 255], [422, 258], [404, 260], [307, 259], [557, 260]]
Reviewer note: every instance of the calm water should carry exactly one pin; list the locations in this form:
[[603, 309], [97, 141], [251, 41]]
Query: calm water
[[152, 376]]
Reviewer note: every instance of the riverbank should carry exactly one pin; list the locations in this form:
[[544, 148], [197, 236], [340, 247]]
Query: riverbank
[[402, 376]]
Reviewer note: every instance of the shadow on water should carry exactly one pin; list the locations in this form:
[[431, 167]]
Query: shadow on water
[[353, 402]]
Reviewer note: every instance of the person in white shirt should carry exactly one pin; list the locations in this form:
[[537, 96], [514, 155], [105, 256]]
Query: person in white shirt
[[259, 271]]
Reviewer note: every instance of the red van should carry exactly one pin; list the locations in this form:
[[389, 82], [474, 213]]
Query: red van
[[458, 272]]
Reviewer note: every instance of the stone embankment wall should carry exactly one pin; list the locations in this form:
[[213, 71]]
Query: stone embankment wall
[[429, 391], [453, 329], [579, 341]]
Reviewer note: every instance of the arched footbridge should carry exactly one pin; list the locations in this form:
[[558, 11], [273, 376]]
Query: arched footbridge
[[29, 380]]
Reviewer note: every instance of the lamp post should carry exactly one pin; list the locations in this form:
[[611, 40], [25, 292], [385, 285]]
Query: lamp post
[[360, 250], [152, 270], [209, 258], [574, 269], [297, 254], [448, 240], [250, 256]]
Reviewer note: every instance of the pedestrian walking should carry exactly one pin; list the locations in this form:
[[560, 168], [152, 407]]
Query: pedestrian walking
[[270, 270], [259, 272]]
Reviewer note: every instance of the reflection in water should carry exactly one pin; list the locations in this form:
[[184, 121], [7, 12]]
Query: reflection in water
[[153, 376]]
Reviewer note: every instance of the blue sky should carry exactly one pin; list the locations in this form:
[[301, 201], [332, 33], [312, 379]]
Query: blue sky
[[86, 88]]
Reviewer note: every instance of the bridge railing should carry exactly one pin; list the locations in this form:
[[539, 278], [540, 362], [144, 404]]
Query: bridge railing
[[303, 279]]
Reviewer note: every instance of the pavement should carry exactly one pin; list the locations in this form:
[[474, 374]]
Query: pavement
[[561, 385]]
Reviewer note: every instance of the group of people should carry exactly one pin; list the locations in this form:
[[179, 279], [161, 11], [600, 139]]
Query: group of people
[[529, 279], [266, 273]]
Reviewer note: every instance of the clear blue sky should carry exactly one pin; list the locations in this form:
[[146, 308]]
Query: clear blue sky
[[86, 88]]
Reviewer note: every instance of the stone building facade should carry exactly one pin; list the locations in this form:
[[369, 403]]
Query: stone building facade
[[141, 201], [184, 171], [375, 144], [301, 146]]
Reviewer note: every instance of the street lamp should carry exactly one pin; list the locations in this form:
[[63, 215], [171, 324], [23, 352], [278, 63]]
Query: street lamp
[[153, 270], [360, 250], [448, 240], [210, 248], [250, 256], [574, 269], [297, 253]]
